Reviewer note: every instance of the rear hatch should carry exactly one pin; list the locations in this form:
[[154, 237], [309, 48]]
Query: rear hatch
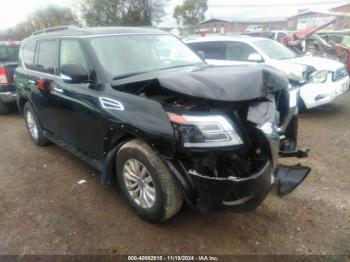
[[9, 59]]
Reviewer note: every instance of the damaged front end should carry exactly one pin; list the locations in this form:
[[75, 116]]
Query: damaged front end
[[226, 150]]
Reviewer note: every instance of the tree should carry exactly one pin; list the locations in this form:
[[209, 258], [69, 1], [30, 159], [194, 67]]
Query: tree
[[122, 12], [191, 13], [49, 16]]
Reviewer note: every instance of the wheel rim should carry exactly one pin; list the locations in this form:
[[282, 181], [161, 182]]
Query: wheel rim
[[139, 183], [33, 129]]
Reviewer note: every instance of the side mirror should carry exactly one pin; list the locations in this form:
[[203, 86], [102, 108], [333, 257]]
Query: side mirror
[[255, 57], [201, 54], [72, 73]]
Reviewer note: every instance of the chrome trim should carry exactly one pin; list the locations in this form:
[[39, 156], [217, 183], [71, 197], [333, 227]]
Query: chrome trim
[[108, 103], [8, 94]]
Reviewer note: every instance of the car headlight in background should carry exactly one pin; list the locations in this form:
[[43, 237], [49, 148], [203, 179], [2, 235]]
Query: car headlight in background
[[206, 131], [319, 76]]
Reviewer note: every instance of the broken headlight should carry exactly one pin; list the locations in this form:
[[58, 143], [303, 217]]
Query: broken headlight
[[206, 131], [319, 76]]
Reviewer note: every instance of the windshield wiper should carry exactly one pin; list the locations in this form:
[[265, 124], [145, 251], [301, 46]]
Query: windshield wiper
[[177, 66], [128, 75]]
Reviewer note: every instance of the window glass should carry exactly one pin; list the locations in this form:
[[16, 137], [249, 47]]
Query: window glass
[[72, 54], [9, 53], [46, 57], [28, 55], [237, 51], [280, 36], [126, 55], [212, 50], [274, 49]]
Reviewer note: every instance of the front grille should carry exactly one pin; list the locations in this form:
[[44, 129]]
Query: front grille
[[339, 74]]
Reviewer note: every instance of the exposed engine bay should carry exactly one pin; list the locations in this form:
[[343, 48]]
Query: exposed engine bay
[[226, 150]]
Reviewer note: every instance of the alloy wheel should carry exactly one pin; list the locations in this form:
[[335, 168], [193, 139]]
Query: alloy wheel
[[139, 183]]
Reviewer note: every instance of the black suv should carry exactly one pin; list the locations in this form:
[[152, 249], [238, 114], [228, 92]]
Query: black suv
[[139, 104], [8, 63]]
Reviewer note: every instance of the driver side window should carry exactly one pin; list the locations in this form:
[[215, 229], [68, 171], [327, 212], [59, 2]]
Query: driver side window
[[237, 51], [72, 54]]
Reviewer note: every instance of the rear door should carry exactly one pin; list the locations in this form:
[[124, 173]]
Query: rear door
[[40, 64]]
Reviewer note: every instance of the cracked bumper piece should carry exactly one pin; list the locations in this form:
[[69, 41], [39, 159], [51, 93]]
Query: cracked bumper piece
[[217, 194], [289, 177]]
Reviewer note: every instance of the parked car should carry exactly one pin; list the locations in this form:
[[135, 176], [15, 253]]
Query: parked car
[[325, 79], [254, 28], [8, 64], [164, 122]]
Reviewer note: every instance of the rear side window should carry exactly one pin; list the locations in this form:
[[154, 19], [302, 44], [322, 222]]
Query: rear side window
[[237, 51], [212, 50], [9, 53], [28, 52], [46, 57], [72, 54]]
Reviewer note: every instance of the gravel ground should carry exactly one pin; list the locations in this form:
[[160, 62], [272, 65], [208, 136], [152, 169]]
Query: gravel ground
[[44, 210]]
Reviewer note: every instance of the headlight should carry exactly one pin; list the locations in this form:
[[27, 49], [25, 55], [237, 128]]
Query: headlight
[[206, 131], [319, 76]]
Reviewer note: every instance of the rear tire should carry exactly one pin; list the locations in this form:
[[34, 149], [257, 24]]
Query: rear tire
[[33, 126], [139, 169], [4, 108]]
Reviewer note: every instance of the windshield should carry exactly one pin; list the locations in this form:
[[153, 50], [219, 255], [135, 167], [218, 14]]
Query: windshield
[[9, 53], [275, 50], [126, 55]]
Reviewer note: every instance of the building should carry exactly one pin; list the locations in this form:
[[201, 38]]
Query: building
[[310, 19], [342, 8], [221, 26]]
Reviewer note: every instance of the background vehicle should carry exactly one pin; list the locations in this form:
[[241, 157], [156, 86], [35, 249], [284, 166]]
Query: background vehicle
[[324, 79], [167, 124], [8, 64], [254, 28]]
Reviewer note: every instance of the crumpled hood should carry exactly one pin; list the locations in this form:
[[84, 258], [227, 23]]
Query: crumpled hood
[[221, 83], [317, 62]]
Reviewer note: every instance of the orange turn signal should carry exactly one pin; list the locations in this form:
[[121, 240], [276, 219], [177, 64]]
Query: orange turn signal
[[177, 119]]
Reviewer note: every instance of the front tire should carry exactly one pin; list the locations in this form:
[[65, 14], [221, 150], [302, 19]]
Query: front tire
[[33, 126], [147, 183]]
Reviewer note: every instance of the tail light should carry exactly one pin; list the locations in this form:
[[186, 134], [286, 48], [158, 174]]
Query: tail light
[[3, 76]]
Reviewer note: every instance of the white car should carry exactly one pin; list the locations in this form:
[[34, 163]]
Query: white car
[[324, 79]]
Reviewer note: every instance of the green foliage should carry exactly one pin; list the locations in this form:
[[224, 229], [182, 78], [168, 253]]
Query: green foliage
[[122, 12], [191, 13], [49, 16]]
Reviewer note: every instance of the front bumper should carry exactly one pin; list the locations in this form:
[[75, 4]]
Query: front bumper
[[315, 95], [216, 194]]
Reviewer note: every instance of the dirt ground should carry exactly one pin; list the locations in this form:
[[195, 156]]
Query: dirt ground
[[43, 209]]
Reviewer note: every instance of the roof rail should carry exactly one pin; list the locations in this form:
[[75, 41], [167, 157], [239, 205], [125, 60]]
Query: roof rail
[[54, 29]]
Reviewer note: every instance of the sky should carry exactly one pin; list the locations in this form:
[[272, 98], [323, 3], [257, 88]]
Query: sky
[[14, 11]]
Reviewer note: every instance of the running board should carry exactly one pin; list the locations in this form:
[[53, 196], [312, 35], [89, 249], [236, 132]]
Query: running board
[[289, 177], [73, 150]]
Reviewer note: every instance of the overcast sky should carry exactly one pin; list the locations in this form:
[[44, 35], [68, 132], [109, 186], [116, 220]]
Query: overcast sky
[[14, 11]]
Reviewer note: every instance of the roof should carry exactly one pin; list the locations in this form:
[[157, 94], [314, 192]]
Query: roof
[[245, 20], [246, 39], [92, 31], [10, 43], [322, 13], [340, 6]]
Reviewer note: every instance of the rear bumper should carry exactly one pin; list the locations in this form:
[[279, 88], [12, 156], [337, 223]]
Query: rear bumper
[[8, 97], [217, 194]]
